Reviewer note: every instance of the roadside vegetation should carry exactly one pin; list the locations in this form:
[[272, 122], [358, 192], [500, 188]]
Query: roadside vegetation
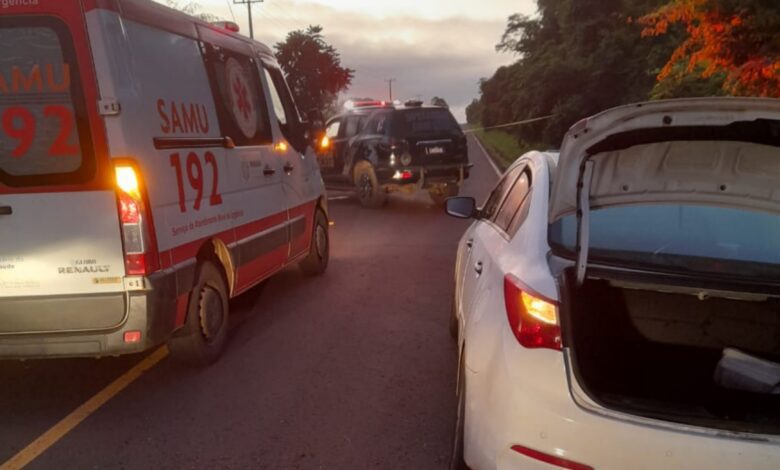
[[502, 147], [578, 57]]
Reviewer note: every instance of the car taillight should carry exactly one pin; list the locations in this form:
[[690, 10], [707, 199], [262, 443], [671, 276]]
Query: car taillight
[[551, 459], [136, 240], [533, 319]]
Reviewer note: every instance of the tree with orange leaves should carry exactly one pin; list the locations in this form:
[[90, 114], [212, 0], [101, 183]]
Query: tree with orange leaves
[[734, 42]]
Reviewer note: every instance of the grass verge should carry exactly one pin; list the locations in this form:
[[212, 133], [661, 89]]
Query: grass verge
[[502, 147]]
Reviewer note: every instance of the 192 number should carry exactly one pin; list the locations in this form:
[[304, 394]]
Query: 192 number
[[195, 178], [19, 124]]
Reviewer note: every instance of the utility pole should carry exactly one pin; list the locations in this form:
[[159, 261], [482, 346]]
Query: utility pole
[[248, 4], [390, 85]]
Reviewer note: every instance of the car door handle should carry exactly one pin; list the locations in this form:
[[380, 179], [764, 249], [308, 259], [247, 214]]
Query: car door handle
[[478, 267], [288, 168], [6, 210], [469, 243], [268, 171]]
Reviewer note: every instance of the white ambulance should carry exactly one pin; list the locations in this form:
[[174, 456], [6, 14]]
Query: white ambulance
[[152, 166]]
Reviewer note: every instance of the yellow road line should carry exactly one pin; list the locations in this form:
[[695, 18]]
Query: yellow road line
[[68, 423]]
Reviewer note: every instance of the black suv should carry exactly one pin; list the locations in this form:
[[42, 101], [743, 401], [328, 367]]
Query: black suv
[[381, 148]]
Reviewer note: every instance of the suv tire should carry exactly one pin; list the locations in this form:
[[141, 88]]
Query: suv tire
[[369, 192]]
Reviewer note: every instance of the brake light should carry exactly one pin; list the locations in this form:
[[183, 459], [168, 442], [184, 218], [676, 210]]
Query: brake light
[[550, 459], [137, 242], [533, 319], [403, 175]]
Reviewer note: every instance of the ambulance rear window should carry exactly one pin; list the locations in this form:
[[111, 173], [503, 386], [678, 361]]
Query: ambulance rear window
[[44, 137]]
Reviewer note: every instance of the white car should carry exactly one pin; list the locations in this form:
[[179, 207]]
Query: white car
[[617, 305]]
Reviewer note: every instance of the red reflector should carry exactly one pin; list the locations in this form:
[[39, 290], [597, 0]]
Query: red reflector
[[132, 336], [534, 320], [135, 264], [406, 174], [551, 459], [129, 212]]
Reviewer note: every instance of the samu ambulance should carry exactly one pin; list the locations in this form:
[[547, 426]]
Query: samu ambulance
[[152, 166]]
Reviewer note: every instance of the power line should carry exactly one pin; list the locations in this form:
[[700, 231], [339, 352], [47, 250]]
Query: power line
[[511, 124]]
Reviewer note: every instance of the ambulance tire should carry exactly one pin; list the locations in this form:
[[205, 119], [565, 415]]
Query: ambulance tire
[[369, 192], [317, 260], [201, 340]]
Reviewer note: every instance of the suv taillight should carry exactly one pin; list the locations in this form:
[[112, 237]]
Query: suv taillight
[[533, 319], [136, 240]]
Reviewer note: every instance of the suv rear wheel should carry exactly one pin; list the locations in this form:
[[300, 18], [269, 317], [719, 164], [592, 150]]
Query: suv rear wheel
[[369, 192]]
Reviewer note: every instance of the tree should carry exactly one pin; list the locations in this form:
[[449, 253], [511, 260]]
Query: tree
[[439, 101], [731, 43], [313, 69], [575, 58], [191, 8], [474, 112]]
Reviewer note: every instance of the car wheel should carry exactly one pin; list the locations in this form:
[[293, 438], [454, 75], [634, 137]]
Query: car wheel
[[456, 460], [317, 261], [202, 339], [440, 195], [369, 191]]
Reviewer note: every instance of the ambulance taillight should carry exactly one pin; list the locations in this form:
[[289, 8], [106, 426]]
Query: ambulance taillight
[[135, 222]]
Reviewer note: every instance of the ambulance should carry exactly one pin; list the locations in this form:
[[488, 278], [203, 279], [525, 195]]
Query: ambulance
[[152, 166]]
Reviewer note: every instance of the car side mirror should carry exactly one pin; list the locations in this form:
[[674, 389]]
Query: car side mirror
[[461, 207]]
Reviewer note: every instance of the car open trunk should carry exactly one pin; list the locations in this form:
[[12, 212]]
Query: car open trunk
[[652, 349]]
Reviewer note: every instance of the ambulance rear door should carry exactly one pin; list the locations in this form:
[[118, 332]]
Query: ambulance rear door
[[61, 255]]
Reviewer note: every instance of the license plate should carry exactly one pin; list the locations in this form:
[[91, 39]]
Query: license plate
[[434, 150]]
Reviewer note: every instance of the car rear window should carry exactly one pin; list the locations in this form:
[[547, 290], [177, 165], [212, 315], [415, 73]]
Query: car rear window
[[709, 239], [427, 121], [44, 137]]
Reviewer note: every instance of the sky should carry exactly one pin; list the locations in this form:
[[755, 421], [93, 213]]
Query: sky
[[430, 47]]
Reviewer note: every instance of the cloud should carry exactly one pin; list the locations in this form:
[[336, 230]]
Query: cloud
[[431, 47]]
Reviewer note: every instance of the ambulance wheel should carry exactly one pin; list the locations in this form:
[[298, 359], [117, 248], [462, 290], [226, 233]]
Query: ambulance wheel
[[317, 261], [202, 338], [370, 193]]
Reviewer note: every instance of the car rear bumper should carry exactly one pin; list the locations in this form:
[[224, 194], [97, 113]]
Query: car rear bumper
[[424, 177], [525, 399], [150, 311]]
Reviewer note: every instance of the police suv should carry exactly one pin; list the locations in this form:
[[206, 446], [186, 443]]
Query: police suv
[[380, 147]]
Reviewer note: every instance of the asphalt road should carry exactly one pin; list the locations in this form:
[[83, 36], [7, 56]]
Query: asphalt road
[[354, 369]]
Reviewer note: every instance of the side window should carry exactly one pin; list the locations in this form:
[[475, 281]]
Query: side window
[[514, 204], [490, 209], [383, 125], [241, 107], [353, 126], [332, 131], [276, 101], [285, 109], [376, 124]]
